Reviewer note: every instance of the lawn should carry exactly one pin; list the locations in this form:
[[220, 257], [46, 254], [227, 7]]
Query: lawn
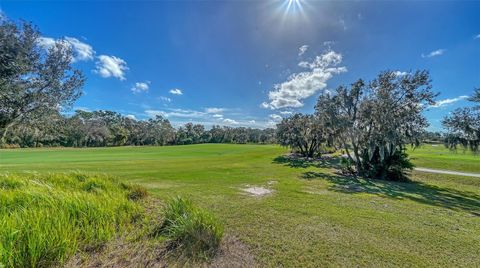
[[313, 217], [438, 157]]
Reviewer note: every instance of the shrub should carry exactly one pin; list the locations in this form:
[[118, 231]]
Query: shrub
[[194, 231]]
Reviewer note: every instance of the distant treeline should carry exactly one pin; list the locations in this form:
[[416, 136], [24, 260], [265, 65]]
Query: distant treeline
[[107, 128]]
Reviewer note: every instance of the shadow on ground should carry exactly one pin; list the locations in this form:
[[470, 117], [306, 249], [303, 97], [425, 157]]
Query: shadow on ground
[[302, 162], [413, 190]]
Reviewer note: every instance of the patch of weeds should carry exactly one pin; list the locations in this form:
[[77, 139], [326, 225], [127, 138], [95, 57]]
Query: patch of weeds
[[192, 231], [136, 192]]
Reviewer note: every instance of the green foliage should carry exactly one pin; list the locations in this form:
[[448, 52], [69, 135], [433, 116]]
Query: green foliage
[[33, 81], [373, 122], [302, 133], [463, 126], [192, 230], [46, 219]]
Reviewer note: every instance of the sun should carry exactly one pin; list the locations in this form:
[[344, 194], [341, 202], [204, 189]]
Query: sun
[[293, 6]]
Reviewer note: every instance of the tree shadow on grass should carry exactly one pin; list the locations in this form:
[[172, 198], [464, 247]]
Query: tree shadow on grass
[[413, 190], [303, 162]]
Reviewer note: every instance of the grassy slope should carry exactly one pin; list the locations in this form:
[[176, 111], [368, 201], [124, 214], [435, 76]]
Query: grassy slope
[[314, 218], [88, 211], [439, 157]]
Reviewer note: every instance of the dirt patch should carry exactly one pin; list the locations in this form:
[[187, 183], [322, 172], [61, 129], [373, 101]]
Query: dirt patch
[[233, 253], [138, 248], [257, 190]]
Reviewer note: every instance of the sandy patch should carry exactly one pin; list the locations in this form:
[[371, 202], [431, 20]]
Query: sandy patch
[[257, 190]]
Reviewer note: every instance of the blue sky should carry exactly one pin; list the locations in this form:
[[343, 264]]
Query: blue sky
[[248, 63]]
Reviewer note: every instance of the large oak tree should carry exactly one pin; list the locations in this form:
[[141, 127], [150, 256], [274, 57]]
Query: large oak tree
[[33, 80]]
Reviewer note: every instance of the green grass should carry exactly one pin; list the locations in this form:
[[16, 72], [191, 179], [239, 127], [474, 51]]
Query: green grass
[[193, 231], [313, 218], [45, 219], [439, 157]]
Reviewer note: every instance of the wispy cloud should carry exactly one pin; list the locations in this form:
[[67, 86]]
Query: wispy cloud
[[434, 53], [300, 86], [302, 50], [165, 99], [476, 36], [446, 102], [111, 66], [176, 91], [213, 110], [141, 87]]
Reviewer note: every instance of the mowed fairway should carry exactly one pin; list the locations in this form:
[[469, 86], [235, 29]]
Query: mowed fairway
[[313, 217], [439, 157]]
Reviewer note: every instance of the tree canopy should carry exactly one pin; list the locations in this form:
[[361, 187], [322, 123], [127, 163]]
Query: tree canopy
[[374, 121], [33, 80]]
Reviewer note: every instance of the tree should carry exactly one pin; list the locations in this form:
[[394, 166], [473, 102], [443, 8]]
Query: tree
[[302, 133], [463, 126], [32, 80], [374, 122]]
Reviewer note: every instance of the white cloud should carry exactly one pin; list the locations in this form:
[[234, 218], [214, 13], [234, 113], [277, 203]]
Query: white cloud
[[399, 73], [176, 91], [434, 53], [286, 112], [131, 116], [45, 42], [446, 102], [251, 121], [229, 121], [81, 51], [302, 50], [176, 113], [111, 66], [218, 115], [300, 86], [141, 87], [214, 110], [165, 99], [276, 117], [476, 36]]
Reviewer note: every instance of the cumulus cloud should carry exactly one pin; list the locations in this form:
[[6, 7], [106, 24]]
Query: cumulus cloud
[[131, 116], [229, 121], [111, 66], [434, 53], [446, 102], [286, 112], [300, 86], [141, 87], [176, 91], [218, 115], [252, 121], [302, 50], [81, 51]]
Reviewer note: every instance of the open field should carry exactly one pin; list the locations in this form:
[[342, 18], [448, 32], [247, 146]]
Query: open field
[[313, 217], [439, 157]]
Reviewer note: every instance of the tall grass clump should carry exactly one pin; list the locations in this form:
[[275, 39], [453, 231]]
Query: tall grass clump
[[45, 219], [191, 230]]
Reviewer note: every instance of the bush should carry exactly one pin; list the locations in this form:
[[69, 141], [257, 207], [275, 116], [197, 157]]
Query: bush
[[194, 231]]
